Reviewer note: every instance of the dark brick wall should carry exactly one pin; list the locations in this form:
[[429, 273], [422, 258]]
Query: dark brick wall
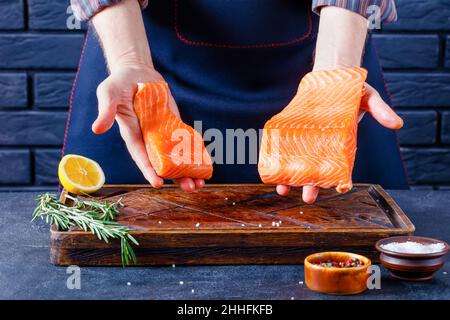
[[415, 54], [39, 55], [38, 60]]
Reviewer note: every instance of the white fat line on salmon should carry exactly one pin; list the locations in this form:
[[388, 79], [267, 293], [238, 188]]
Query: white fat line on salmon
[[237, 146]]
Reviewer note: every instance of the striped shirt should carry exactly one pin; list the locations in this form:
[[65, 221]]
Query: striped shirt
[[386, 8], [86, 9]]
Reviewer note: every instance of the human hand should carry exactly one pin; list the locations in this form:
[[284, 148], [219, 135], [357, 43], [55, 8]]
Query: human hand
[[340, 43], [372, 103], [115, 103]]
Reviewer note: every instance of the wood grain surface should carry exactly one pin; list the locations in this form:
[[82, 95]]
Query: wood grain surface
[[236, 224]]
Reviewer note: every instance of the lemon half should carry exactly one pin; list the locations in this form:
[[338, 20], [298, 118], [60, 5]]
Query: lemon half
[[80, 175]]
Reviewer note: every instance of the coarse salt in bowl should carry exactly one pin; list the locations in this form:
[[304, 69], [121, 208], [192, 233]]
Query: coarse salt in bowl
[[414, 247], [412, 258]]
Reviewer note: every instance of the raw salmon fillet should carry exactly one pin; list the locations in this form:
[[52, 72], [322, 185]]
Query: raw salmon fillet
[[175, 149], [313, 140]]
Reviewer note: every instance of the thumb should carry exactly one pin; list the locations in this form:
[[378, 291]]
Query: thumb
[[107, 107], [374, 104]]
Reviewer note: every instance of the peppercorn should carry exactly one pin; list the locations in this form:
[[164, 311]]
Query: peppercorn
[[354, 262]]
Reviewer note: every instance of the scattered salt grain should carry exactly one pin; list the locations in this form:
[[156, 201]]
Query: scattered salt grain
[[242, 225], [301, 212], [128, 283], [444, 273], [260, 225], [159, 222], [173, 266], [234, 203], [300, 282], [292, 298], [197, 225], [192, 291], [279, 222], [226, 198], [413, 247], [181, 283]]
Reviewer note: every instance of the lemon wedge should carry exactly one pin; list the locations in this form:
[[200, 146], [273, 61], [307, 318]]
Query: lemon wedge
[[80, 175]]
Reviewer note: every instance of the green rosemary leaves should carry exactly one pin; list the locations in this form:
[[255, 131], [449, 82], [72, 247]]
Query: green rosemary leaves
[[91, 216]]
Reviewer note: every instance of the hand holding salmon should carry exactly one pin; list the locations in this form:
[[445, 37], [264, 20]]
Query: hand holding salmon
[[175, 149], [313, 140]]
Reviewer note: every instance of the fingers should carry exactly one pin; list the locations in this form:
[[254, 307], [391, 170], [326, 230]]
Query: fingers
[[283, 190], [374, 104], [132, 136], [107, 107], [199, 183], [185, 184], [189, 184], [310, 194]]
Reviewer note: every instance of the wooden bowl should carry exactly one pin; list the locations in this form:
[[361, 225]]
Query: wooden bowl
[[339, 281], [412, 266]]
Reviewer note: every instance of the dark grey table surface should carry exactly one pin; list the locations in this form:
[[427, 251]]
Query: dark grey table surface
[[26, 273]]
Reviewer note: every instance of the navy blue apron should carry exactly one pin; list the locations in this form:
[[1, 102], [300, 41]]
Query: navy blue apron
[[232, 65]]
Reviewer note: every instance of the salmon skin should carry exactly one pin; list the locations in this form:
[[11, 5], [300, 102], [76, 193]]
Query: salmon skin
[[313, 140], [174, 148]]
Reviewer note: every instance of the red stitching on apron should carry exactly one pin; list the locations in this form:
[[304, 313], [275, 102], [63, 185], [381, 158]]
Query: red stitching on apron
[[230, 46], [71, 97], [408, 180]]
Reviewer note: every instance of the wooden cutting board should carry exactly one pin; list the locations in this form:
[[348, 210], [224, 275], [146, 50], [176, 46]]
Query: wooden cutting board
[[236, 224]]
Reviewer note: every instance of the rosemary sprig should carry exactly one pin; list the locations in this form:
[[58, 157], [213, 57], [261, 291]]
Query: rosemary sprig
[[90, 216], [105, 211]]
